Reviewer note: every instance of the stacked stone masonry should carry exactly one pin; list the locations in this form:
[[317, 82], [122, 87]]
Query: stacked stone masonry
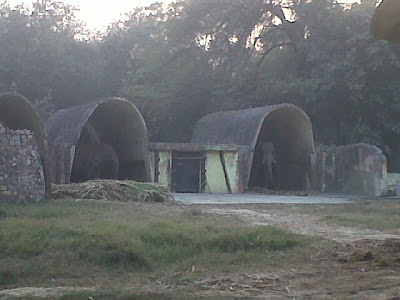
[[21, 169]]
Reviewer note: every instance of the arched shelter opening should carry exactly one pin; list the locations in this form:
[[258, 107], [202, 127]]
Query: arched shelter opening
[[285, 126], [106, 139], [17, 113], [290, 132]]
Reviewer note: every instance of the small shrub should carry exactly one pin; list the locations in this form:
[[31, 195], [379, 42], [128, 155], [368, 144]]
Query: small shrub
[[3, 214], [164, 234], [247, 239], [7, 277], [114, 256], [195, 212], [169, 242], [112, 248]]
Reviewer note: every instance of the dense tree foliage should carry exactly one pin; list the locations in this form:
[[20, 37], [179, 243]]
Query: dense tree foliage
[[180, 61], [41, 59]]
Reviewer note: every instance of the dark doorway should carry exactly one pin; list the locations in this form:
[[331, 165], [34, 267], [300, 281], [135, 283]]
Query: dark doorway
[[132, 170], [188, 172], [287, 130]]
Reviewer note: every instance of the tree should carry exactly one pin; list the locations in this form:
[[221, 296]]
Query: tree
[[183, 60], [180, 61], [41, 58]]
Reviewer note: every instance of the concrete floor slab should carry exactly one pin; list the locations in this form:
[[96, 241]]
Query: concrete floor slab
[[252, 198]]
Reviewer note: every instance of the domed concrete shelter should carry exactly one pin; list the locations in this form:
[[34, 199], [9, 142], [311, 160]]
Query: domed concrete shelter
[[105, 139], [17, 113], [385, 24], [286, 126]]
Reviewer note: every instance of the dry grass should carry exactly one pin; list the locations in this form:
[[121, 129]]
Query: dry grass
[[116, 190]]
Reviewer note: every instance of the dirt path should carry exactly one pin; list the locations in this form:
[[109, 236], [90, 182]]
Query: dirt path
[[352, 263], [41, 293], [242, 207], [303, 224]]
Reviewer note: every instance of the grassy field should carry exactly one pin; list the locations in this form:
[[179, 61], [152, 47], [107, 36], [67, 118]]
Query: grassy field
[[116, 250], [86, 243], [379, 214]]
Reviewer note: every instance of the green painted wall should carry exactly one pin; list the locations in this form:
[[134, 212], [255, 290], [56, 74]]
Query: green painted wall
[[216, 182], [215, 175]]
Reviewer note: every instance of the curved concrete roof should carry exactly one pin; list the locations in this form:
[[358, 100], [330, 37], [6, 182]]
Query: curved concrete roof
[[16, 112], [385, 24], [285, 125], [240, 127], [118, 120]]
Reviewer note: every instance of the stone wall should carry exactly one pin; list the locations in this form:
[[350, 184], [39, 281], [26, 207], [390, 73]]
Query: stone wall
[[21, 169], [359, 169]]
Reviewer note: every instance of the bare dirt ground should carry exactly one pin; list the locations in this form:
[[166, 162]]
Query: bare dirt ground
[[349, 263], [304, 224]]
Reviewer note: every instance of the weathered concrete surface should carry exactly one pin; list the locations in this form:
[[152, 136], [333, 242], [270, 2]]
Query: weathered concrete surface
[[112, 121], [359, 169], [223, 172], [164, 168], [224, 165], [393, 179], [285, 125], [258, 198], [385, 22]]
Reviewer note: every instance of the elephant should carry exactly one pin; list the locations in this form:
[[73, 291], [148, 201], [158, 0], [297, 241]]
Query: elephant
[[89, 134], [268, 160], [95, 161]]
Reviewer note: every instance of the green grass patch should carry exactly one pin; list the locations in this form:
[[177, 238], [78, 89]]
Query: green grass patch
[[66, 241], [118, 295], [379, 214], [371, 221], [375, 214], [7, 276], [114, 295]]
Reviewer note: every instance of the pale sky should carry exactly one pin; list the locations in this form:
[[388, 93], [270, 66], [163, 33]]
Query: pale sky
[[99, 13]]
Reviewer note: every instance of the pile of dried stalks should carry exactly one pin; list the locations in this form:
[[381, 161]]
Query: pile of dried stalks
[[115, 190]]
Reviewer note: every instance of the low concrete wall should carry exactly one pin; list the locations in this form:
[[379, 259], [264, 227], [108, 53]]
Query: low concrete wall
[[359, 169], [224, 172], [162, 166], [224, 165], [21, 169], [393, 178]]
